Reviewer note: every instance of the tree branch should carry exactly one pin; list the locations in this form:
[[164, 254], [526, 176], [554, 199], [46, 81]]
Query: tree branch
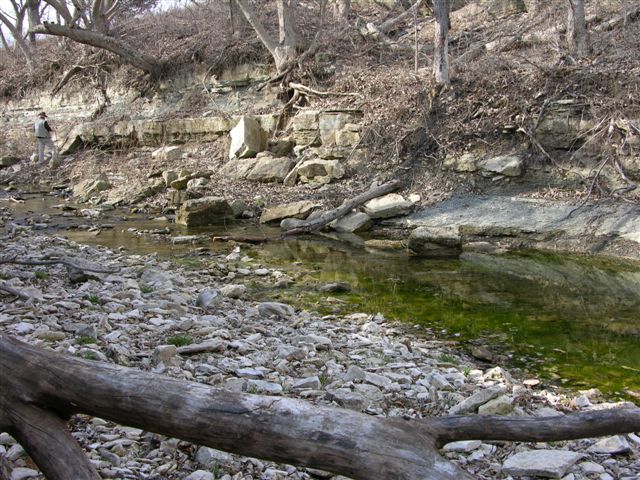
[[324, 219], [48, 442], [100, 40]]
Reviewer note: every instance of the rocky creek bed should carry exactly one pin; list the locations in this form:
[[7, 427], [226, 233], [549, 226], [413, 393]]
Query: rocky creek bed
[[199, 325]]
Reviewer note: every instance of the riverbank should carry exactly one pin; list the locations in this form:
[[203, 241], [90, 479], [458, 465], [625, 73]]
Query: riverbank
[[198, 324]]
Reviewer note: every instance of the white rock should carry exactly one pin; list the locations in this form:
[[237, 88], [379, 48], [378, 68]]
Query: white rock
[[543, 463], [611, 445], [474, 401], [200, 475], [591, 467], [463, 446], [21, 473]]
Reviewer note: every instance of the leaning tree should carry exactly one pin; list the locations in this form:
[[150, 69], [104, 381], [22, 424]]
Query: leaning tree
[[90, 23]]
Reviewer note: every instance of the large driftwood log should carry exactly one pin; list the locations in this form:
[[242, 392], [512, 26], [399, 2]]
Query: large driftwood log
[[40, 389], [348, 205]]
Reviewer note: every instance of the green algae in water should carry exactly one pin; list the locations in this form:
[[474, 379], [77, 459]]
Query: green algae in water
[[569, 319]]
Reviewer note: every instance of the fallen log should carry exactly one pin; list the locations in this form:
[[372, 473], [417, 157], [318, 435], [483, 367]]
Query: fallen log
[[40, 390], [318, 223]]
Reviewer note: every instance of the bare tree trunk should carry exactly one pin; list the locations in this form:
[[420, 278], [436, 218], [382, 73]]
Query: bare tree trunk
[[235, 17], [289, 34], [114, 45], [33, 14], [284, 51], [40, 389], [341, 11], [577, 35], [441, 41], [15, 29]]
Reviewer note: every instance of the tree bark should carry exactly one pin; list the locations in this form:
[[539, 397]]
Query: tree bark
[[328, 217], [33, 15], [284, 52], [99, 40], [577, 35], [341, 10], [39, 389], [16, 33], [441, 41]]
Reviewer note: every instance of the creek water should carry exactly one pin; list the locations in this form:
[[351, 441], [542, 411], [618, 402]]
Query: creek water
[[574, 321]]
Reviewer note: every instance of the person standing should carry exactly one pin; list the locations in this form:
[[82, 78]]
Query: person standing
[[43, 134]]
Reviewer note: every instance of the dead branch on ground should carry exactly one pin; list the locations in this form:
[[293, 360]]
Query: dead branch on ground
[[67, 263], [13, 291], [41, 389], [311, 226]]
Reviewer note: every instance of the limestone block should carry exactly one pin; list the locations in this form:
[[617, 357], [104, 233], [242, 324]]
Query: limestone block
[[238, 168], [353, 222], [346, 138], [91, 186], [542, 463], [247, 138], [204, 211], [330, 123], [176, 197], [504, 8], [507, 165], [305, 120], [8, 160], [464, 163], [502, 405], [562, 125], [169, 176], [434, 242], [269, 169], [168, 154], [320, 171], [275, 213], [391, 205]]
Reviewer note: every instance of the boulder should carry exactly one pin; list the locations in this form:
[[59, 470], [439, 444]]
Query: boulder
[[86, 189], [238, 168], [611, 446], [320, 171], [268, 169], [299, 210], [435, 242], [563, 125], [247, 138], [168, 154], [330, 123], [504, 8], [507, 165], [352, 223], [169, 176], [462, 164], [471, 404], [503, 405], [391, 205], [204, 211], [8, 161]]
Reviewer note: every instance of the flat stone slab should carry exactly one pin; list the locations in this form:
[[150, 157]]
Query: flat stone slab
[[541, 463], [542, 220]]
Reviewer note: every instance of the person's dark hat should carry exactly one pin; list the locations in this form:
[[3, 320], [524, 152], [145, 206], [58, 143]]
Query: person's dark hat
[[42, 115]]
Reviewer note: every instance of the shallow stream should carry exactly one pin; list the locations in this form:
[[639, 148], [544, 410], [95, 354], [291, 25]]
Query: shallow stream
[[571, 320]]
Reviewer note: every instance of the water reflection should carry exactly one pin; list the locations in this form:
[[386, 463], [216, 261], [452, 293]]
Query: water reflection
[[570, 318]]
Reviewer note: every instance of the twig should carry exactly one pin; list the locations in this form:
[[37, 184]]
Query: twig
[[310, 91], [67, 263], [593, 183], [6, 288]]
